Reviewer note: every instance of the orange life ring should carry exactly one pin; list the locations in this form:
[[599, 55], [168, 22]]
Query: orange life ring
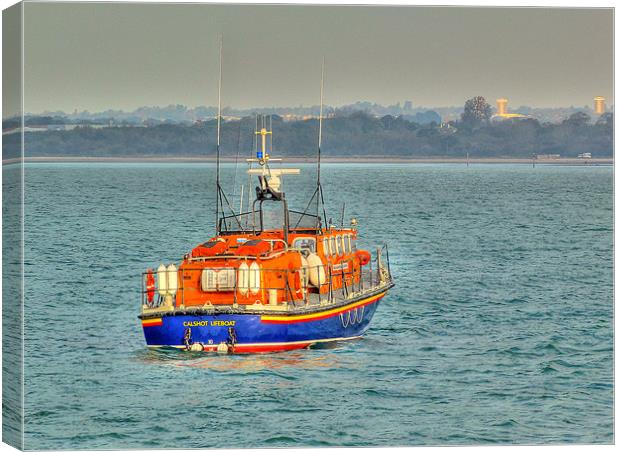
[[150, 285], [364, 256]]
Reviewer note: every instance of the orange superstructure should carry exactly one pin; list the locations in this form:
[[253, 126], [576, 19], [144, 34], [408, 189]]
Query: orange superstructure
[[266, 269]]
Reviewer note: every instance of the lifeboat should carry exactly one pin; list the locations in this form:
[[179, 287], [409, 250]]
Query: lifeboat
[[259, 286]]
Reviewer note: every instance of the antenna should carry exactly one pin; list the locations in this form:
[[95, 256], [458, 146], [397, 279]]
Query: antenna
[[318, 193], [318, 172], [221, 196], [217, 152], [219, 94], [321, 122]]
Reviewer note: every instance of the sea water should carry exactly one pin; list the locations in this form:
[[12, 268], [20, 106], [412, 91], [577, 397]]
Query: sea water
[[499, 329]]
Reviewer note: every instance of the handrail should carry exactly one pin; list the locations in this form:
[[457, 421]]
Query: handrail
[[252, 228]]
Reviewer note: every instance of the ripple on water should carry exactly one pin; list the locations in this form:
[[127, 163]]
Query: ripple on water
[[499, 329]]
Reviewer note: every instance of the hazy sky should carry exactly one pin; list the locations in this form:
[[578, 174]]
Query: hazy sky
[[121, 56]]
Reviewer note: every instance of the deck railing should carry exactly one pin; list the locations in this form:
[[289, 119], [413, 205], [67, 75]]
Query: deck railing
[[339, 284]]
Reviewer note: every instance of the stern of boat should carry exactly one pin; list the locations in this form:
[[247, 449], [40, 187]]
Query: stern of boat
[[334, 314]]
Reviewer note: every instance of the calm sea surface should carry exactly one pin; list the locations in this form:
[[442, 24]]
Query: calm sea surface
[[499, 329]]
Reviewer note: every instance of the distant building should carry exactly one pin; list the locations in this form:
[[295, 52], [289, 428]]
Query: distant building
[[446, 127], [502, 106], [502, 111], [599, 105], [585, 155], [291, 117]]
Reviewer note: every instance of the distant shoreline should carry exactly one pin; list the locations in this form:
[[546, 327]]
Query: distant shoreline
[[366, 160]]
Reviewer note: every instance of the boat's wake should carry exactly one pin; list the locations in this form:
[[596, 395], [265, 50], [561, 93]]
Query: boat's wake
[[326, 357]]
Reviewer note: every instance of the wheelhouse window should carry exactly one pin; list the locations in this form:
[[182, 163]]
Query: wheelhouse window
[[337, 246], [305, 243], [343, 244], [325, 246], [332, 246]]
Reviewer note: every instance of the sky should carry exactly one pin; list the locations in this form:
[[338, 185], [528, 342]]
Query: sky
[[122, 56]]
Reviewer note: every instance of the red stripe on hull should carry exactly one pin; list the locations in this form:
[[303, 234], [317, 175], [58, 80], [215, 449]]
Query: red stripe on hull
[[262, 348], [240, 348], [326, 316]]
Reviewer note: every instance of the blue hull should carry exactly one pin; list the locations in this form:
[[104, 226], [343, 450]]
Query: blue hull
[[260, 332]]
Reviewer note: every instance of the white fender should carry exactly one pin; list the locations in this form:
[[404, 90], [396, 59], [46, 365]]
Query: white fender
[[254, 279], [162, 280], [304, 272], [196, 347], [172, 279], [316, 270], [243, 278]]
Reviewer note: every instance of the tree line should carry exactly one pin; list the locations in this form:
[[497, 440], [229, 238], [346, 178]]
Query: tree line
[[344, 135]]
